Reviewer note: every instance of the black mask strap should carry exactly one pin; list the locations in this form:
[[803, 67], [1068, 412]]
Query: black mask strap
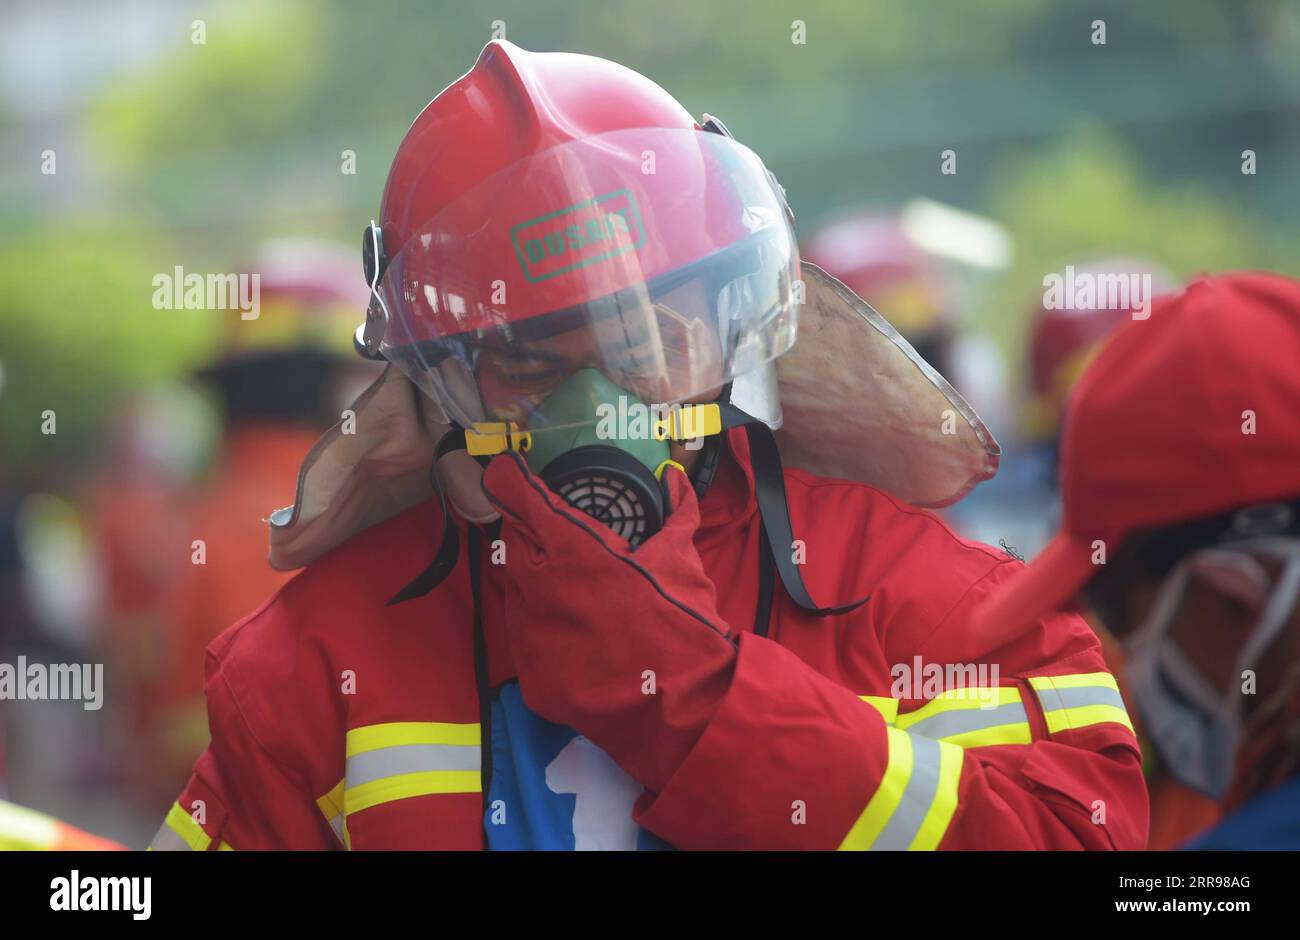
[[774, 509], [448, 552], [444, 562]]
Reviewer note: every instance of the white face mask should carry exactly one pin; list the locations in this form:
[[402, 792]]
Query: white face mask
[[1196, 728]]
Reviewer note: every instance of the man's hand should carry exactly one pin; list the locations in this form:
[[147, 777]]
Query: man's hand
[[626, 647]]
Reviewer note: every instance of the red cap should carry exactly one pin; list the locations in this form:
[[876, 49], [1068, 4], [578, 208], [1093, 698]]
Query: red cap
[[1188, 414]]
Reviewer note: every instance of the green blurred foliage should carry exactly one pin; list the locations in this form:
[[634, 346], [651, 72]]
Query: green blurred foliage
[[246, 82], [1087, 199], [77, 329]]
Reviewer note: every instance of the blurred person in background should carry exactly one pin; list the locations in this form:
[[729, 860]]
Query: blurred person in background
[[1180, 488], [156, 445], [279, 381], [1063, 340]]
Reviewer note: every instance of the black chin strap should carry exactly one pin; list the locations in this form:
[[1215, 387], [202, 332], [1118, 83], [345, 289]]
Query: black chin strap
[[449, 542], [773, 508]]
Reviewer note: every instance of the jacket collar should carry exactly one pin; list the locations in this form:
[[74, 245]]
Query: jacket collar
[[730, 498]]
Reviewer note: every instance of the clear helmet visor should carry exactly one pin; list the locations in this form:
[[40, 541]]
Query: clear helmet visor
[[661, 258]]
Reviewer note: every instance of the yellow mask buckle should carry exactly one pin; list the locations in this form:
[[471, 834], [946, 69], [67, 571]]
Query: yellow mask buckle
[[687, 422], [486, 438]]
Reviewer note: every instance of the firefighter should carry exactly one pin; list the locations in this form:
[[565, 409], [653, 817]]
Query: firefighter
[[642, 632], [1180, 489], [1063, 339]]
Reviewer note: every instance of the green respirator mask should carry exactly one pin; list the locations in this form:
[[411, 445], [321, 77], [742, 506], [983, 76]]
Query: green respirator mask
[[610, 468]]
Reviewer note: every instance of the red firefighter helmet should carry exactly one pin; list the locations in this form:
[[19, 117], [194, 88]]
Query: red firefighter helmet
[[548, 211]]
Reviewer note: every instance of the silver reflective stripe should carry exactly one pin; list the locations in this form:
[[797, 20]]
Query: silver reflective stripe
[[963, 720], [1056, 699], [168, 840], [337, 825], [922, 786], [411, 759]]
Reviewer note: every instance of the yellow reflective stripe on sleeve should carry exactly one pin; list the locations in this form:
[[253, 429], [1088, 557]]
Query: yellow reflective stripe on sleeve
[[939, 816], [405, 786], [331, 807], [179, 831], [397, 733], [916, 799], [1080, 701], [978, 698], [400, 760], [1067, 719], [1017, 732], [1079, 680], [973, 717], [888, 794], [331, 804], [225, 847]]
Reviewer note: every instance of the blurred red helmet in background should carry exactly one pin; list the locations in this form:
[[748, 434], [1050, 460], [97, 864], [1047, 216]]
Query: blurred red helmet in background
[[1064, 338], [871, 252], [309, 300]]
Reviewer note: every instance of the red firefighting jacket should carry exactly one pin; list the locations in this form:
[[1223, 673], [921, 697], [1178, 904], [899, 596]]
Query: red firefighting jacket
[[823, 734]]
